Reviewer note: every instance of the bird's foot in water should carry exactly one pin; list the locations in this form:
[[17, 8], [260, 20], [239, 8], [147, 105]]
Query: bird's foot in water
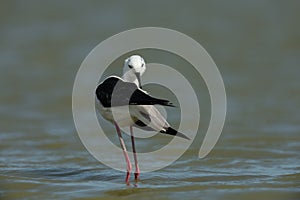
[[127, 178], [136, 176]]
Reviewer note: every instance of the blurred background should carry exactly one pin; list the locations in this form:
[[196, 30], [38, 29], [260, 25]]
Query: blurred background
[[256, 46]]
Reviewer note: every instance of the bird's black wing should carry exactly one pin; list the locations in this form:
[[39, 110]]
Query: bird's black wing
[[171, 131], [113, 91]]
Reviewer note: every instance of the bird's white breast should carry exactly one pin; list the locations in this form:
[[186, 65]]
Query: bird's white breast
[[119, 114]]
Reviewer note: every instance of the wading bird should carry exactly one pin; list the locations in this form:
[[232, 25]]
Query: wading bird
[[122, 101]]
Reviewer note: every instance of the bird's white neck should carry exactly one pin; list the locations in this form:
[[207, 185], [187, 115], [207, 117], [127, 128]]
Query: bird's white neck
[[130, 77]]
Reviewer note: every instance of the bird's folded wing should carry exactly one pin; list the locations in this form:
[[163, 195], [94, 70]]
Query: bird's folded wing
[[116, 92], [149, 116]]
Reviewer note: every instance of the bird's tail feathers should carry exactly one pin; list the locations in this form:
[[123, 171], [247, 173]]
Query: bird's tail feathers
[[162, 102], [171, 131]]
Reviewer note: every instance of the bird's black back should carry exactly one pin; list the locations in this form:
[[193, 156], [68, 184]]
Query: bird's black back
[[115, 92]]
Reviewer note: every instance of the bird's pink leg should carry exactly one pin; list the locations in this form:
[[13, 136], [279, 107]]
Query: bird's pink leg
[[137, 169], [125, 153]]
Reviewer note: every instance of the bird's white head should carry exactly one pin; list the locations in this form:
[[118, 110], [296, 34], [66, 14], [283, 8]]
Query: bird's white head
[[134, 68]]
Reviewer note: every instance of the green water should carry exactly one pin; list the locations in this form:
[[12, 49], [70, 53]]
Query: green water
[[256, 46]]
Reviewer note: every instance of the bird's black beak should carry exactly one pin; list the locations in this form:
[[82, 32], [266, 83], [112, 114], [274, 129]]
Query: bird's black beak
[[138, 76]]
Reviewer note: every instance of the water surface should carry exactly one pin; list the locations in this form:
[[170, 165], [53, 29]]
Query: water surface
[[256, 47]]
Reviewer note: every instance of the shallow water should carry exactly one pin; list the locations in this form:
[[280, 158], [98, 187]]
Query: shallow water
[[256, 47]]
